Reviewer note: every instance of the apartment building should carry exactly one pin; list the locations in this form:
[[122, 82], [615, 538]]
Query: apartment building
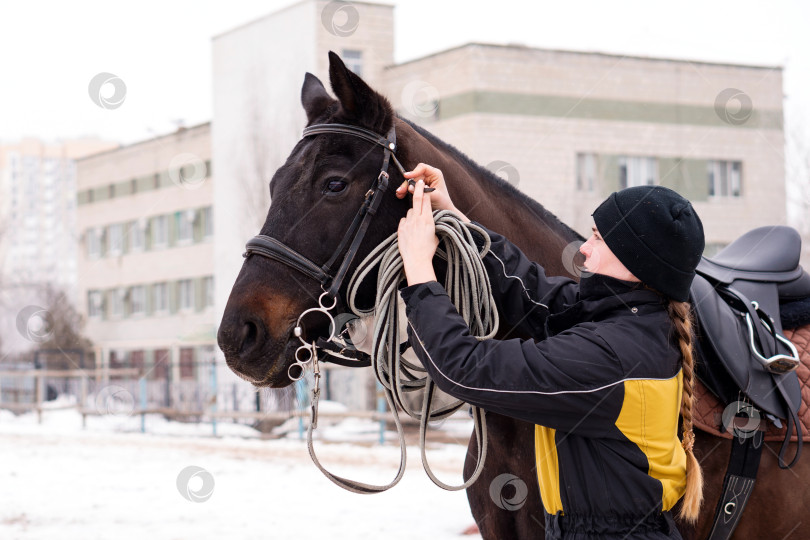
[[568, 128], [145, 260], [38, 211]]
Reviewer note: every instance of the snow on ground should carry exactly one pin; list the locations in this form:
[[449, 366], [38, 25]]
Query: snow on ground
[[109, 481]]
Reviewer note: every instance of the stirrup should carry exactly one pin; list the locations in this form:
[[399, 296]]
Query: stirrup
[[778, 363]]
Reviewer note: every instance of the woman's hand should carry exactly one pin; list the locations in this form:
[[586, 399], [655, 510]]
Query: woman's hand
[[433, 178], [417, 239]]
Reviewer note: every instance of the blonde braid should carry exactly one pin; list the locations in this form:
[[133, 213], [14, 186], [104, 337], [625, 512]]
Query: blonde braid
[[681, 315]]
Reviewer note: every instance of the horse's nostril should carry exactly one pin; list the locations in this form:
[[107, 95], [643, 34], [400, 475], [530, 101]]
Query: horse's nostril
[[248, 335]]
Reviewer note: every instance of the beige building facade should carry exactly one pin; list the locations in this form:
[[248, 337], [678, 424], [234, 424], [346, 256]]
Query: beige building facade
[[569, 128], [145, 255]]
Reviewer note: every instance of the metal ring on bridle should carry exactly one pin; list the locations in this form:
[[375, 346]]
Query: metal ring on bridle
[[303, 348], [300, 375], [320, 300], [299, 329], [302, 364]]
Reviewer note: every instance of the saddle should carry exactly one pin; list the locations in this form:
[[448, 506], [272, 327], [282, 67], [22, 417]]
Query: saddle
[[742, 352], [743, 357]]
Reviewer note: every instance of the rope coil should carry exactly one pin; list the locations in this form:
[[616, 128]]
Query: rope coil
[[469, 289]]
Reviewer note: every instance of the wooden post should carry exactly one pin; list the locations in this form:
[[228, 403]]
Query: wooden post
[[39, 383], [142, 389], [83, 400]]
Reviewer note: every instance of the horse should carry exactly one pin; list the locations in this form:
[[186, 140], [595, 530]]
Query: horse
[[315, 195]]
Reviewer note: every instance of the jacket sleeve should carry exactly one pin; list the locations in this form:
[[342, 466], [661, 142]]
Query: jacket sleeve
[[523, 293], [571, 381]]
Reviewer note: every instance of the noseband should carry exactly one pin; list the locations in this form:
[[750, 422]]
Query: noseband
[[332, 280]]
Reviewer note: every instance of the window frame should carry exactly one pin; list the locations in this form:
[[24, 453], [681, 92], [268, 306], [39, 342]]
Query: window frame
[[636, 168], [724, 179], [158, 243], [95, 304], [137, 299], [185, 291], [160, 287], [586, 162]]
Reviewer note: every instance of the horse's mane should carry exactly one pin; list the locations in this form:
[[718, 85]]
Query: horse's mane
[[500, 183]]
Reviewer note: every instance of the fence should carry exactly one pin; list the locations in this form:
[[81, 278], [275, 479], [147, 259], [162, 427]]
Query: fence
[[131, 391]]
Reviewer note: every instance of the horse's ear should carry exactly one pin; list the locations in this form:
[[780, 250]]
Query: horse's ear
[[356, 97], [314, 97]]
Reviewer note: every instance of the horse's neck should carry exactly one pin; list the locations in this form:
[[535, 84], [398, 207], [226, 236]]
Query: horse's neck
[[499, 209]]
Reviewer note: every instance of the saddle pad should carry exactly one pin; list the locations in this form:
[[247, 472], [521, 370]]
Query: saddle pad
[[707, 413]]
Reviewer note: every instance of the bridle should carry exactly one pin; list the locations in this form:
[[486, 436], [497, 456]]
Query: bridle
[[331, 280]]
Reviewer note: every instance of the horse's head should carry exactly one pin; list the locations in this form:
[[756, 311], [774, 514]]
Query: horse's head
[[315, 197]]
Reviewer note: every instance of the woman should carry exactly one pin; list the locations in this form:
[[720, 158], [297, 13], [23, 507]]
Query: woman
[[611, 371]]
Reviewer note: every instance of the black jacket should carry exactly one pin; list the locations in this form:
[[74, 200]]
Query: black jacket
[[604, 388]]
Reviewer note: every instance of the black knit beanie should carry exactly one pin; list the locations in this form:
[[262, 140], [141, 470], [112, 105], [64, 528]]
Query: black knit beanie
[[656, 234]]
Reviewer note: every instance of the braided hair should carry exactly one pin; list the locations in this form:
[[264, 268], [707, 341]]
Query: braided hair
[[681, 315]]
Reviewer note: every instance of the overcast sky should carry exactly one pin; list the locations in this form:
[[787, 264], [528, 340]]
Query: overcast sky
[[50, 50]]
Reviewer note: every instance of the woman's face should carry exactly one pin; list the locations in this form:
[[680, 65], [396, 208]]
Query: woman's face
[[600, 260]]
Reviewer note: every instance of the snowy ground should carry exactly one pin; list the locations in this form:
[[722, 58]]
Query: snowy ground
[[60, 481], [109, 481]]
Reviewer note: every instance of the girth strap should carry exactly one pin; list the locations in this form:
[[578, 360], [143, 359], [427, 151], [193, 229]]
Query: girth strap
[[738, 484]]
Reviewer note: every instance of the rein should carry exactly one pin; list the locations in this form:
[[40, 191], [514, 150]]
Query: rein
[[397, 375]]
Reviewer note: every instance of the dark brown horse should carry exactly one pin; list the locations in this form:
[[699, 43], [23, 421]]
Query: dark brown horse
[[315, 196]]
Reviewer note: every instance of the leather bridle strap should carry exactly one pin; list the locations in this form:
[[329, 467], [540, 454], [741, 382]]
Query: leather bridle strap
[[271, 248], [389, 142], [275, 249]]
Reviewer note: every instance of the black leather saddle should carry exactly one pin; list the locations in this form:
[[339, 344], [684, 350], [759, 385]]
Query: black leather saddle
[[762, 255], [736, 297], [742, 354]]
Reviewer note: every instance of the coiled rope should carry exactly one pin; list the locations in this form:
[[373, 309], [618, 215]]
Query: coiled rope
[[467, 284]]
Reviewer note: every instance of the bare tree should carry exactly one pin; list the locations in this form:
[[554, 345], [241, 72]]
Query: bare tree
[[797, 143], [59, 329]]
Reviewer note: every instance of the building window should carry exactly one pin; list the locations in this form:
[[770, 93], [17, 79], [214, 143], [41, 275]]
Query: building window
[[160, 369], [160, 297], [637, 171], [186, 363], [137, 235], [137, 300], [93, 243], [95, 304], [117, 297], [208, 291], [136, 360], [725, 178], [160, 231], [208, 222], [119, 360], [186, 294], [184, 222], [353, 60], [586, 172], [115, 239]]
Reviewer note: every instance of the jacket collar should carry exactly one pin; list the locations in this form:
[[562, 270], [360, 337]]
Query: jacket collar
[[602, 296], [600, 285]]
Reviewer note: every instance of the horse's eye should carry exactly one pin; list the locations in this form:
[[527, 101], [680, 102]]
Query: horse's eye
[[335, 186]]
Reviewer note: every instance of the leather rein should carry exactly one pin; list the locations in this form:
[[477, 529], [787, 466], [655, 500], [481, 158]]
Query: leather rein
[[329, 279]]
